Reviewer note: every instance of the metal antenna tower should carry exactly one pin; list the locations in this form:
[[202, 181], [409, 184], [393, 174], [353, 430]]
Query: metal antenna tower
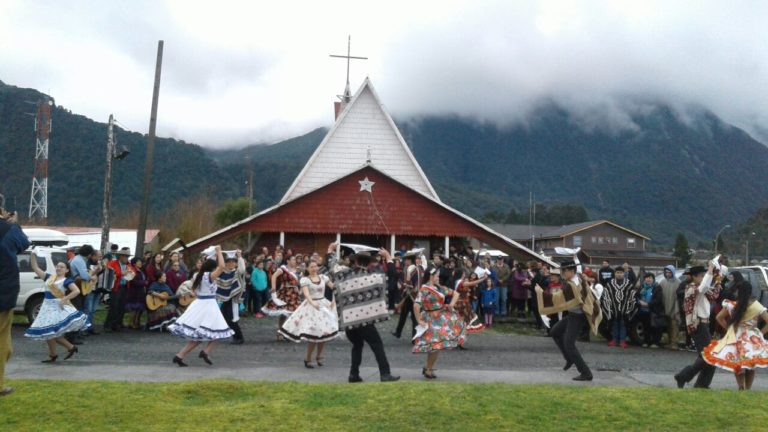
[[38, 200], [347, 96]]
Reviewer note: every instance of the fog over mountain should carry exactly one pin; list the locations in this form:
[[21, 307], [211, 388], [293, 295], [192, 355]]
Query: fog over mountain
[[238, 72]]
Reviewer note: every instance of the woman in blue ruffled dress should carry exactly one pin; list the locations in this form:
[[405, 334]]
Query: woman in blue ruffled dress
[[57, 316], [202, 321]]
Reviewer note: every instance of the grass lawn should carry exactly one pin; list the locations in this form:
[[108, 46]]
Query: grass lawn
[[231, 405]]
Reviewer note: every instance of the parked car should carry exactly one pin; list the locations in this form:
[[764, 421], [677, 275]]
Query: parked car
[[31, 293], [758, 277]]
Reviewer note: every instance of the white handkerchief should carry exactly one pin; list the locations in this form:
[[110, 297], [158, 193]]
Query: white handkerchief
[[276, 300], [40, 252], [420, 330], [545, 320], [209, 252]]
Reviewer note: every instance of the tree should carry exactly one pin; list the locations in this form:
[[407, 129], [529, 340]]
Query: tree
[[681, 250], [720, 245], [232, 211]]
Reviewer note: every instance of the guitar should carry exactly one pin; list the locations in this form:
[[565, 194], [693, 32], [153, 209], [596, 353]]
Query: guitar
[[161, 299]]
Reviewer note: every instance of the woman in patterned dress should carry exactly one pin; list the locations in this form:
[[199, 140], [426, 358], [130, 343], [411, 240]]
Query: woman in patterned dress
[[466, 287], [136, 292], [57, 316], [202, 321], [743, 348], [444, 327], [316, 320], [287, 292]]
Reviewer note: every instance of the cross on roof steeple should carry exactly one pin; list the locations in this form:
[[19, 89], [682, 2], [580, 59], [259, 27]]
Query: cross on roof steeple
[[347, 96]]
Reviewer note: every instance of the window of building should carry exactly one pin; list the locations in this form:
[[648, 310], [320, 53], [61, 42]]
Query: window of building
[[577, 240], [600, 240], [594, 240], [631, 243], [615, 240]]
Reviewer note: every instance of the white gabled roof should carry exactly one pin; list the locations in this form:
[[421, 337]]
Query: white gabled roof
[[364, 124]]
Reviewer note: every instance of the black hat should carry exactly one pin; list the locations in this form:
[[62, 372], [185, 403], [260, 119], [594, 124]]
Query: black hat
[[697, 270], [570, 264]]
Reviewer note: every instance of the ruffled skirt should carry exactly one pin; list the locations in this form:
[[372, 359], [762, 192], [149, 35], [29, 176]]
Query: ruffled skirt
[[54, 321], [312, 325], [446, 331], [465, 311], [749, 351], [201, 322], [289, 295]]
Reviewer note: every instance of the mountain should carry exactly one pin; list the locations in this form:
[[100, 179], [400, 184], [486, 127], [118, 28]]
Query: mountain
[[77, 161], [665, 174]]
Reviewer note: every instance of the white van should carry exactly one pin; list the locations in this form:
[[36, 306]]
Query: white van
[[31, 293]]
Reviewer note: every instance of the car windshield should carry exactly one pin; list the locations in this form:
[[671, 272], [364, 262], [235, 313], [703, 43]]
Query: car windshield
[[24, 265]]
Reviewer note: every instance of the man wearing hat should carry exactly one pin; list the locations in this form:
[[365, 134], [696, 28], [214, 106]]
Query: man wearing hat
[[414, 274], [577, 298], [229, 293], [699, 294], [361, 302], [119, 265]]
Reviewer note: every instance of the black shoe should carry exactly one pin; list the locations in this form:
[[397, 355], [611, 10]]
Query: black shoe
[[71, 352], [355, 379], [396, 335], [238, 342], [568, 365], [204, 355], [51, 359], [680, 381], [461, 348], [388, 378], [179, 361], [308, 364], [583, 377]]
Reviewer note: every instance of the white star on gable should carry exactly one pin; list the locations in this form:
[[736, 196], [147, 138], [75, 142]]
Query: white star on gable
[[366, 185]]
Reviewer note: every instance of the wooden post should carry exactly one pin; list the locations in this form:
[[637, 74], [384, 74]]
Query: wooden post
[[282, 239], [107, 187], [150, 154], [338, 245], [446, 252], [392, 245]]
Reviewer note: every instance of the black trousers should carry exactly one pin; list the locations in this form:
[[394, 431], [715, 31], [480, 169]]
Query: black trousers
[[565, 333], [705, 371], [360, 335], [226, 311], [393, 297], [116, 311], [404, 312], [651, 335]]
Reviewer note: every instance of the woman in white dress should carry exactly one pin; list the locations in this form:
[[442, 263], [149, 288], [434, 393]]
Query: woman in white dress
[[315, 321], [57, 316], [202, 321]]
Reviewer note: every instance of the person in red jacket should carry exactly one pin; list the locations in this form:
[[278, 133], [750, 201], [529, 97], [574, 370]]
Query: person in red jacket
[[123, 275], [175, 276]]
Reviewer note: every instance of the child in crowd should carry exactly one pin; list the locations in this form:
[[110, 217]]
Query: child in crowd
[[490, 299]]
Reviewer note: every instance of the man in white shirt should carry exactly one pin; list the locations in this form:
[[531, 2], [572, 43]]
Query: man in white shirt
[[699, 295]]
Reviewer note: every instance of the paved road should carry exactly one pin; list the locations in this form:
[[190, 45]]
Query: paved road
[[492, 356]]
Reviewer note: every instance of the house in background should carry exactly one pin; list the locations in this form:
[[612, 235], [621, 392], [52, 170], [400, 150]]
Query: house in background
[[599, 240]]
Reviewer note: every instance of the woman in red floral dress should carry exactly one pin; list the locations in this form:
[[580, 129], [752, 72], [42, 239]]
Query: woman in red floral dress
[[743, 348], [287, 292], [444, 327]]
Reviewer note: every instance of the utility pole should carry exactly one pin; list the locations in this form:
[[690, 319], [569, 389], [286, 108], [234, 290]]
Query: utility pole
[[150, 154], [38, 200], [107, 186]]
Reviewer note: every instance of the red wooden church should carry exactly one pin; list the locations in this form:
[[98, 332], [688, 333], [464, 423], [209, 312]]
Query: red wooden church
[[363, 185]]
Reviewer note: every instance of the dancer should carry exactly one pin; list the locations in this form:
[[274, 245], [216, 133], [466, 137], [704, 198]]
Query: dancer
[[743, 348], [57, 316], [466, 288], [202, 321], [582, 305], [315, 321], [163, 316], [229, 293], [619, 306], [363, 296], [413, 275], [285, 295], [699, 294], [444, 327]]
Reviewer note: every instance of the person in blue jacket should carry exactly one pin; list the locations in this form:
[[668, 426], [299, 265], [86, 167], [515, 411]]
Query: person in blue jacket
[[490, 299]]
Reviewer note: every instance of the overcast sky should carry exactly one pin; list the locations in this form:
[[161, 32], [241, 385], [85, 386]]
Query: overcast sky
[[247, 72]]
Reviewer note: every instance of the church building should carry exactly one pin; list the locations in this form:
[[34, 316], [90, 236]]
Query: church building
[[363, 185]]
